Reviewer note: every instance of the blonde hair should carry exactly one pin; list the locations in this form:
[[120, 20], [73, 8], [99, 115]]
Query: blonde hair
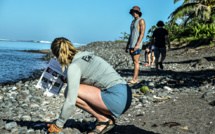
[[64, 50]]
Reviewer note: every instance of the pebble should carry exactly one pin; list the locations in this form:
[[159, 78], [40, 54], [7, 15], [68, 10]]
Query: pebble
[[10, 125], [26, 118]]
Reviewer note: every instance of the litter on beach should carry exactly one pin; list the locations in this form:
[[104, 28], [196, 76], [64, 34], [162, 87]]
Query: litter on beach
[[164, 98]]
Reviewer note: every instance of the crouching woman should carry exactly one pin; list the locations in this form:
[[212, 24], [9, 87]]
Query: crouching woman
[[93, 85]]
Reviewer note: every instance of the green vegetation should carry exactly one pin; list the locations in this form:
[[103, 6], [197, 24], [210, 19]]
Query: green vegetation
[[120, 41], [212, 44], [191, 31], [202, 9], [197, 23], [124, 38]]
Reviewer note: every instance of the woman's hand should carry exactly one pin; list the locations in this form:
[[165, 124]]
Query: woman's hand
[[136, 48], [53, 128]]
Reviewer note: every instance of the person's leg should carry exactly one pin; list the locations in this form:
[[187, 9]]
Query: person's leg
[[163, 56], [136, 67], [92, 96], [90, 100], [157, 54], [146, 60], [100, 116], [95, 105], [149, 58], [153, 57], [135, 57], [132, 81]]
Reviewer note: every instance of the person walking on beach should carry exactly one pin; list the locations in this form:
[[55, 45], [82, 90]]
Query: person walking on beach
[[159, 38], [92, 85], [135, 40]]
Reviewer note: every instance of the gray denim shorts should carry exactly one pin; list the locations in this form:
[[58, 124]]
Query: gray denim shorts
[[117, 98], [158, 51]]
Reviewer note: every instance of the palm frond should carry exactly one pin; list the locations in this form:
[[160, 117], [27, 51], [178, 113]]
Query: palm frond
[[206, 11], [188, 18], [175, 1], [190, 1], [182, 11]]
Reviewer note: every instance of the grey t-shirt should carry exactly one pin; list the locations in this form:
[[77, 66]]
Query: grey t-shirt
[[89, 69], [135, 34]]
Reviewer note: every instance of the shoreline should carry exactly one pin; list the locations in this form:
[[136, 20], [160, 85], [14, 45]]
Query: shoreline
[[43, 51], [33, 41], [37, 73], [48, 55]]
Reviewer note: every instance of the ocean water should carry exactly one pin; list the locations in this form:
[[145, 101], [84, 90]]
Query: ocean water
[[16, 65]]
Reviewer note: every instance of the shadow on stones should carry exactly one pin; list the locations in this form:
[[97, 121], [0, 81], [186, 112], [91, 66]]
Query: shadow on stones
[[31, 124], [41, 125], [82, 127], [177, 79], [129, 129], [210, 58], [183, 62]]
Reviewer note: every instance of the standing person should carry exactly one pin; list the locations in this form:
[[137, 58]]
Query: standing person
[[135, 40], [159, 38], [93, 85]]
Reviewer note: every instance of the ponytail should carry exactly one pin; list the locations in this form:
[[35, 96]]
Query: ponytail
[[64, 50]]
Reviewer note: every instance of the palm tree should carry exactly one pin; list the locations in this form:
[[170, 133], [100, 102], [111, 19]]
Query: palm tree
[[204, 9]]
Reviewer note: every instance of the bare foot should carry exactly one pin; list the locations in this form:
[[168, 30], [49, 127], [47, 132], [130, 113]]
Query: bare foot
[[132, 82]]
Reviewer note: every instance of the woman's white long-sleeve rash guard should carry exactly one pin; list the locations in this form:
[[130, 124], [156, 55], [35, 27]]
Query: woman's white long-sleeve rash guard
[[86, 68]]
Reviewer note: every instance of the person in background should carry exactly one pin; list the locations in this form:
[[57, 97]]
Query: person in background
[[92, 85], [159, 38], [135, 40], [152, 48], [149, 54]]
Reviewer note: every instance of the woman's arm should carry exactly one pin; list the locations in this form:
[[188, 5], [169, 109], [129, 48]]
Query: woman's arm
[[73, 83]]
